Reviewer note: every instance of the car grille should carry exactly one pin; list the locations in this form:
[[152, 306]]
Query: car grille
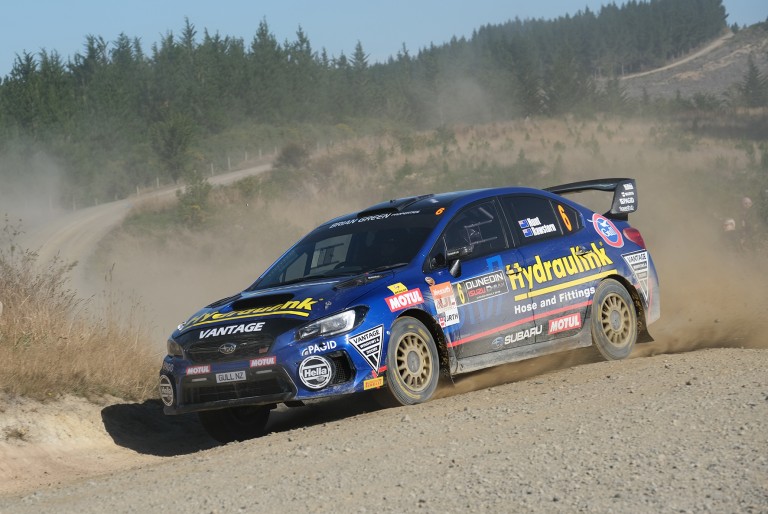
[[208, 351], [274, 384]]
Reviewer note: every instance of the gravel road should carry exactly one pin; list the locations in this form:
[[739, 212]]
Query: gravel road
[[681, 432]]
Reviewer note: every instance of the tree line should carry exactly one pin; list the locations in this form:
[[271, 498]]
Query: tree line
[[115, 116]]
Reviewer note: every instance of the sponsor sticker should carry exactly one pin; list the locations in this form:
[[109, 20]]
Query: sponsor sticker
[[522, 335], [607, 231], [231, 330], [301, 308], [263, 361], [318, 347], [445, 304], [638, 261], [315, 372], [373, 383], [167, 366], [369, 345], [166, 390], [404, 300], [482, 287], [199, 370], [230, 376], [569, 322], [397, 288]]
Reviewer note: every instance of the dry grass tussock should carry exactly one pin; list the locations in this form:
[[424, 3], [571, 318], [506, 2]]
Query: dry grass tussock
[[53, 343]]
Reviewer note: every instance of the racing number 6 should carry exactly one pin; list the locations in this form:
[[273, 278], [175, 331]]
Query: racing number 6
[[565, 217]]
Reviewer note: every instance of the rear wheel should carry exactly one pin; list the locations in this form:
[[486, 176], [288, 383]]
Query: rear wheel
[[413, 365], [614, 321], [235, 423]]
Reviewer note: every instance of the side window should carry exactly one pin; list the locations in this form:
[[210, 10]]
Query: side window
[[536, 218], [477, 230]]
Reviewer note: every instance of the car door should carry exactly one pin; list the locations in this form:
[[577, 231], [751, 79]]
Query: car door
[[476, 307], [561, 262]]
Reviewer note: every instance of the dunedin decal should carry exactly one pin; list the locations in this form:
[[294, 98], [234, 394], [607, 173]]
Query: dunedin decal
[[481, 287], [638, 261], [369, 345], [300, 308], [445, 304], [544, 272], [607, 231], [397, 288]]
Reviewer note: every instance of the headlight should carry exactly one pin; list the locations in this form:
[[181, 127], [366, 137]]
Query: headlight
[[174, 349], [333, 325]]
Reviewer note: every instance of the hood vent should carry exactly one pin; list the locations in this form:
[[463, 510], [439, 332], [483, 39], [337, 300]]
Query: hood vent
[[255, 302]]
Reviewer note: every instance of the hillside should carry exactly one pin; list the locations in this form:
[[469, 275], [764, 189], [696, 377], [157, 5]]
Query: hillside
[[712, 69]]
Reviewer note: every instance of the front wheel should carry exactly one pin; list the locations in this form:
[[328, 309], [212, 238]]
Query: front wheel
[[614, 321], [413, 365], [235, 423]]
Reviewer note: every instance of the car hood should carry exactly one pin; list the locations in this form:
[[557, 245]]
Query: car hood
[[283, 307]]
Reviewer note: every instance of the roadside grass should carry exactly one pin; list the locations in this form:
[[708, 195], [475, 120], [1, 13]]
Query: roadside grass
[[54, 343]]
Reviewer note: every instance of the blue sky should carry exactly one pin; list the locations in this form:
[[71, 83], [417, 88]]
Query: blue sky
[[336, 25]]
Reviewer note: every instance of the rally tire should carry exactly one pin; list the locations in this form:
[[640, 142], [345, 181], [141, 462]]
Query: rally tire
[[614, 321], [413, 364], [235, 423]]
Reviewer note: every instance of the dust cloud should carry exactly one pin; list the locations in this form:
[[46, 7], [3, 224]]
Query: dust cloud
[[30, 190]]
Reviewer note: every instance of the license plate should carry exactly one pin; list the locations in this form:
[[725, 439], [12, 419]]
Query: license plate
[[232, 376]]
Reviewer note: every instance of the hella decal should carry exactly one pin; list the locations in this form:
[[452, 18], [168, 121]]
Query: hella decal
[[315, 372], [166, 390]]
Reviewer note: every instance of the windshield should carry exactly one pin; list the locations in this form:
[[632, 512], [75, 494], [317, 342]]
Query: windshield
[[352, 247]]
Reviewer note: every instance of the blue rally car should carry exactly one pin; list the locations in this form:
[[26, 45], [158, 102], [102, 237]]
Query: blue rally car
[[397, 295]]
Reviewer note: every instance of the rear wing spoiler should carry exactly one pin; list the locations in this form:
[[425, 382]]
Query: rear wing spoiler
[[624, 193]]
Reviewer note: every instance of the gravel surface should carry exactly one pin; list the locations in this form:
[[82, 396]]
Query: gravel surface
[[674, 433]]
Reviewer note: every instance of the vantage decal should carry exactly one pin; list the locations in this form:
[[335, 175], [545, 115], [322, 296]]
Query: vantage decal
[[300, 308], [544, 272], [481, 287], [569, 322], [403, 300], [231, 329], [445, 304], [638, 261], [369, 345], [607, 231]]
